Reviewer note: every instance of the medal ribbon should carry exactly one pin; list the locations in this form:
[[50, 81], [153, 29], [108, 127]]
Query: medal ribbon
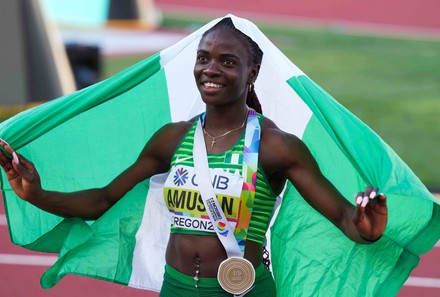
[[249, 173]]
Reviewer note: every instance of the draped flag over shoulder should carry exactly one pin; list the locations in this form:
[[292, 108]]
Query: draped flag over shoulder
[[85, 139]]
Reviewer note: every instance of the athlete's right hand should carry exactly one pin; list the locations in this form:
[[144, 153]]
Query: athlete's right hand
[[22, 174]]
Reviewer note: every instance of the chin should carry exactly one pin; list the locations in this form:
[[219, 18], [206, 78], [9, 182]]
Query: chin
[[211, 99]]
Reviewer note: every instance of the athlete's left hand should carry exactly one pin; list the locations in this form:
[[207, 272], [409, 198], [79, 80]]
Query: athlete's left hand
[[371, 214]]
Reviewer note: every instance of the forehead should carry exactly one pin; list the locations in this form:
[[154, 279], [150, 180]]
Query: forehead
[[224, 39]]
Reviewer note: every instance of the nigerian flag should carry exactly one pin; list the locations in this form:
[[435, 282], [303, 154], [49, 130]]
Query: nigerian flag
[[85, 139]]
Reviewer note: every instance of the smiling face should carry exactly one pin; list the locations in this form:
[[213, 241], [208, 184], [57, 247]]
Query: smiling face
[[223, 68]]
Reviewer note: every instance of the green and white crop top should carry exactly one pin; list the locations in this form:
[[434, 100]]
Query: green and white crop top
[[183, 199]]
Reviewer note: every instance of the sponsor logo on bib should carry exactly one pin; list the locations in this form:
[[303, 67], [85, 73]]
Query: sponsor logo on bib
[[180, 177]]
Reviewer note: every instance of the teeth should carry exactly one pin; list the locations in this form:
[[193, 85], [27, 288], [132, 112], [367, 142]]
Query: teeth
[[212, 85]]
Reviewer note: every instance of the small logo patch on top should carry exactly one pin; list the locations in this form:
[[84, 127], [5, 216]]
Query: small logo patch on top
[[180, 177], [184, 159]]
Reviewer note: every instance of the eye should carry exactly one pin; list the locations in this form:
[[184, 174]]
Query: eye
[[229, 62], [201, 58]]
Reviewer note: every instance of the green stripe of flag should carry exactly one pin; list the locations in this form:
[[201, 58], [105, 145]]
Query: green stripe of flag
[[352, 157], [60, 138]]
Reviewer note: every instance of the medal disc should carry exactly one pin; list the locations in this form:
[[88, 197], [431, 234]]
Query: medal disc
[[236, 275]]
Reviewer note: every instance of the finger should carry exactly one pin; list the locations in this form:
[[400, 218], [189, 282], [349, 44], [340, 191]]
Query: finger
[[25, 168], [365, 201], [382, 199], [3, 142], [23, 171], [368, 191], [373, 193], [15, 158], [6, 146], [18, 158], [4, 161], [359, 215], [361, 199], [8, 149], [366, 196], [358, 198]]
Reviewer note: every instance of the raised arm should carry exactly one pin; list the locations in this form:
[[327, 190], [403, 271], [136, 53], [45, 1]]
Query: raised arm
[[290, 159], [92, 203]]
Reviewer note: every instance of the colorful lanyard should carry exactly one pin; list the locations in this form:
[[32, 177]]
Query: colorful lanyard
[[249, 173]]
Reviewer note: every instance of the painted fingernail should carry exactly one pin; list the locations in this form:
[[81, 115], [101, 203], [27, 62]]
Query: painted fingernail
[[373, 195], [15, 157], [365, 201], [359, 200]]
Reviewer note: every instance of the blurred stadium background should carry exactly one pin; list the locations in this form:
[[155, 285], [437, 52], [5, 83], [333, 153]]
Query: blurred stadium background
[[379, 58]]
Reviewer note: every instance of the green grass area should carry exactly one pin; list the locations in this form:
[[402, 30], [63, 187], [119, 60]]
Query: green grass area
[[391, 84]]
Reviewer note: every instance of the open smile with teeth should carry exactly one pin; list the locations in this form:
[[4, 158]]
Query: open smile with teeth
[[212, 85]]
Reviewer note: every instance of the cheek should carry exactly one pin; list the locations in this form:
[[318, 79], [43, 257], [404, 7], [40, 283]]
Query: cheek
[[241, 80], [196, 71]]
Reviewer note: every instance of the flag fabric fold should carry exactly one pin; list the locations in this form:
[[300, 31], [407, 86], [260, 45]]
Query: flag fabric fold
[[83, 140]]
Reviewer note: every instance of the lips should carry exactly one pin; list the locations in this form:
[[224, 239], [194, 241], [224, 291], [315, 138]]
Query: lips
[[212, 88], [212, 85]]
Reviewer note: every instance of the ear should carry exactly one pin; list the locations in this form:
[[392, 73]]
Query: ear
[[253, 74]]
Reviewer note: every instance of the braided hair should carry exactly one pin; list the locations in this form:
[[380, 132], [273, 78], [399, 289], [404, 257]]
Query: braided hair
[[255, 53]]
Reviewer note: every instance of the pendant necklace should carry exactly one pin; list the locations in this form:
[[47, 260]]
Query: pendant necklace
[[214, 139]]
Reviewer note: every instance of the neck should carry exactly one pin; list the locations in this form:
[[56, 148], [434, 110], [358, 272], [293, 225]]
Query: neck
[[221, 119]]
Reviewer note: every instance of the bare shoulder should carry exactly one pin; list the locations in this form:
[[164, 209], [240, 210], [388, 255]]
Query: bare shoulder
[[279, 149], [174, 130], [274, 138], [162, 145]]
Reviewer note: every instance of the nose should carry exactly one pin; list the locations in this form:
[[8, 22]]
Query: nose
[[212, 69]]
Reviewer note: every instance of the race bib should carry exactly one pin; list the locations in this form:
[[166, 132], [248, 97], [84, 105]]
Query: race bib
[[182, 197]]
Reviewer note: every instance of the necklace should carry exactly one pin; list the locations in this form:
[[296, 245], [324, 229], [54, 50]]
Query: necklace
[[214, 139]]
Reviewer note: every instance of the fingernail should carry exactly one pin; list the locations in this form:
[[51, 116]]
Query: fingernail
[[15, 157], [373, 195], [365, 201], [359, 200], [2, 140]]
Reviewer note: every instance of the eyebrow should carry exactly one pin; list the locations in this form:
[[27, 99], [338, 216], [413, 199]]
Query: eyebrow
[[226, 55]]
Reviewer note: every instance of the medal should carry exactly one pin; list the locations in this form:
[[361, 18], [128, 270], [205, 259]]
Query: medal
[[236, 275]]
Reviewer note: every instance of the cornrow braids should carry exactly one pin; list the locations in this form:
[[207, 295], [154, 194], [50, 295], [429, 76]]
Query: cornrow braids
[[255, 53]]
